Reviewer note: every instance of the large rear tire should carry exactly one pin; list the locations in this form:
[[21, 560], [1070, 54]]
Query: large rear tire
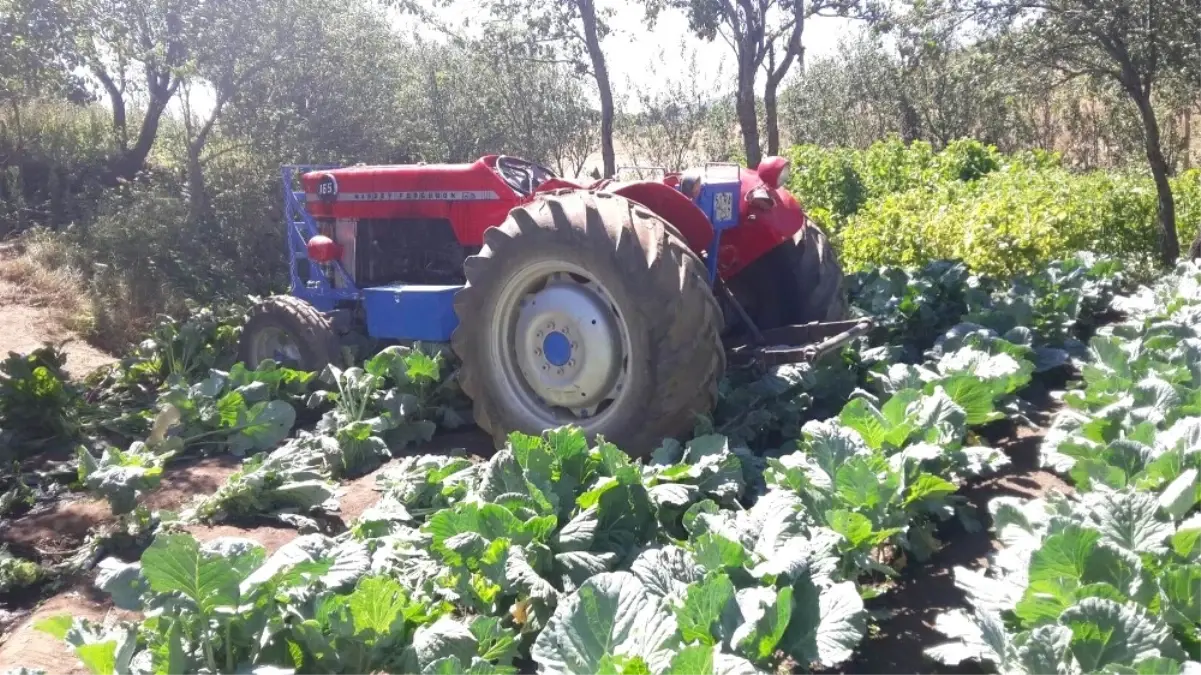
[[823, 297], [795, 283], [290, 332], [585, 308]]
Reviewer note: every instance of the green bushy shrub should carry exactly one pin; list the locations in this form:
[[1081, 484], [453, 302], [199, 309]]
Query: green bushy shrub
[[52, 157], [833, 184], [827, 183], [144, 257], [1186, 188], [899, 204], [1012, 221]]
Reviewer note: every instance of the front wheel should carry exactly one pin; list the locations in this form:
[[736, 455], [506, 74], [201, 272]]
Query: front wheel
[[586, 309], [290, 332]]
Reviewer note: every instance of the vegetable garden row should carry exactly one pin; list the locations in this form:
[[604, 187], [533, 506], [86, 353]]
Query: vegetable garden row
[[1106, 580], [750, 548]]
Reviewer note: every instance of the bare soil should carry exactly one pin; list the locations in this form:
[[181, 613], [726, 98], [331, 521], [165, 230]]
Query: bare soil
[[25, 327], [55, 531], [184, 482], [270, 538], [358, 495], [26, 646]]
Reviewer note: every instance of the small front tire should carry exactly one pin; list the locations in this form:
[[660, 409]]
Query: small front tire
[[290, 332]]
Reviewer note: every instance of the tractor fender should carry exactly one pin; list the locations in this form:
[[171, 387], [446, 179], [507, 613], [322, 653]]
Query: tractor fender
[[672, 206]]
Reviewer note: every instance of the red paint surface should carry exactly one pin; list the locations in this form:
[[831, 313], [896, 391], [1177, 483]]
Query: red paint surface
[[758, 232]]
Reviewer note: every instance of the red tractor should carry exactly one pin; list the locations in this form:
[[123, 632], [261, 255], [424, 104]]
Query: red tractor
[[613, 306]]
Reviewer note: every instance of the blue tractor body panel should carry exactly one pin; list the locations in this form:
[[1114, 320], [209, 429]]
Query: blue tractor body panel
[[308, 281], [720, 199], [411, 312]]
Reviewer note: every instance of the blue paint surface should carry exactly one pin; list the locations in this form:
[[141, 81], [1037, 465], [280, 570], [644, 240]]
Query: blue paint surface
[[411, 312], [556, 348]]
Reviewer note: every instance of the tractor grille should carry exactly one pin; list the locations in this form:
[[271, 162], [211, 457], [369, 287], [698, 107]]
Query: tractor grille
[[412, 251]]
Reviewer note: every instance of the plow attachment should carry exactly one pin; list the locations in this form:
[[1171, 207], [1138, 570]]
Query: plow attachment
[[797, 344]]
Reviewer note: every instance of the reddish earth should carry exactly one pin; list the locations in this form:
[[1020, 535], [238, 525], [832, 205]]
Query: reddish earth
[[270, 538], [184, 482], [31, 648], [57, 531], [359, 495]]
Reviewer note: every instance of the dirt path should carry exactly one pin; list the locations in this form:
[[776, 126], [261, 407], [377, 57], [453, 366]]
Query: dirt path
[[24, 327]]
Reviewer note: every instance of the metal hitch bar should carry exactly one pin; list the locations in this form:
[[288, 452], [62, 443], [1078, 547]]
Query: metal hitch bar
[[803, 343]]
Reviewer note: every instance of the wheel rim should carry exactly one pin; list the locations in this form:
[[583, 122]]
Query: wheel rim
[[561, 345], [275, 344]]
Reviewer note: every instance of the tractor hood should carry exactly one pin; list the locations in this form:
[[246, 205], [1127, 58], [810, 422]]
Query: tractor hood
[[453, 191]]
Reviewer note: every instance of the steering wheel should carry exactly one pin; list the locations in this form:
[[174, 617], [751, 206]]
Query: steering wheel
[[522, 175]]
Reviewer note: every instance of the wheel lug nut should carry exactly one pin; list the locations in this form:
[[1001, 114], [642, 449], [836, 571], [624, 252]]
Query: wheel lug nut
[[560, 371], [574, 345], [537, 352], [571, 362], [538, 334]]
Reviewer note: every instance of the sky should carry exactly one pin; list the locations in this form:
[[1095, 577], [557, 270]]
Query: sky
[[630, 50], [631, 46]]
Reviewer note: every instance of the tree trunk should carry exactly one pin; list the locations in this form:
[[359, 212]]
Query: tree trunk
[[198, 202], [794, 51], [117, 99], [1169, 243], [601, 71], [911, 124], [1188, 138], [744, 105], [608, 153], [771, 119], [748, 121], [133, 159]]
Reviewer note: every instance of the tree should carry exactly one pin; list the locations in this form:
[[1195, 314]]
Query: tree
[[764, 35], [36, 60], [1123, 42], [1187, 54], [561, 32], [342, 104], [575, 140], [543, 109], [136, 48], [236, 42]]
